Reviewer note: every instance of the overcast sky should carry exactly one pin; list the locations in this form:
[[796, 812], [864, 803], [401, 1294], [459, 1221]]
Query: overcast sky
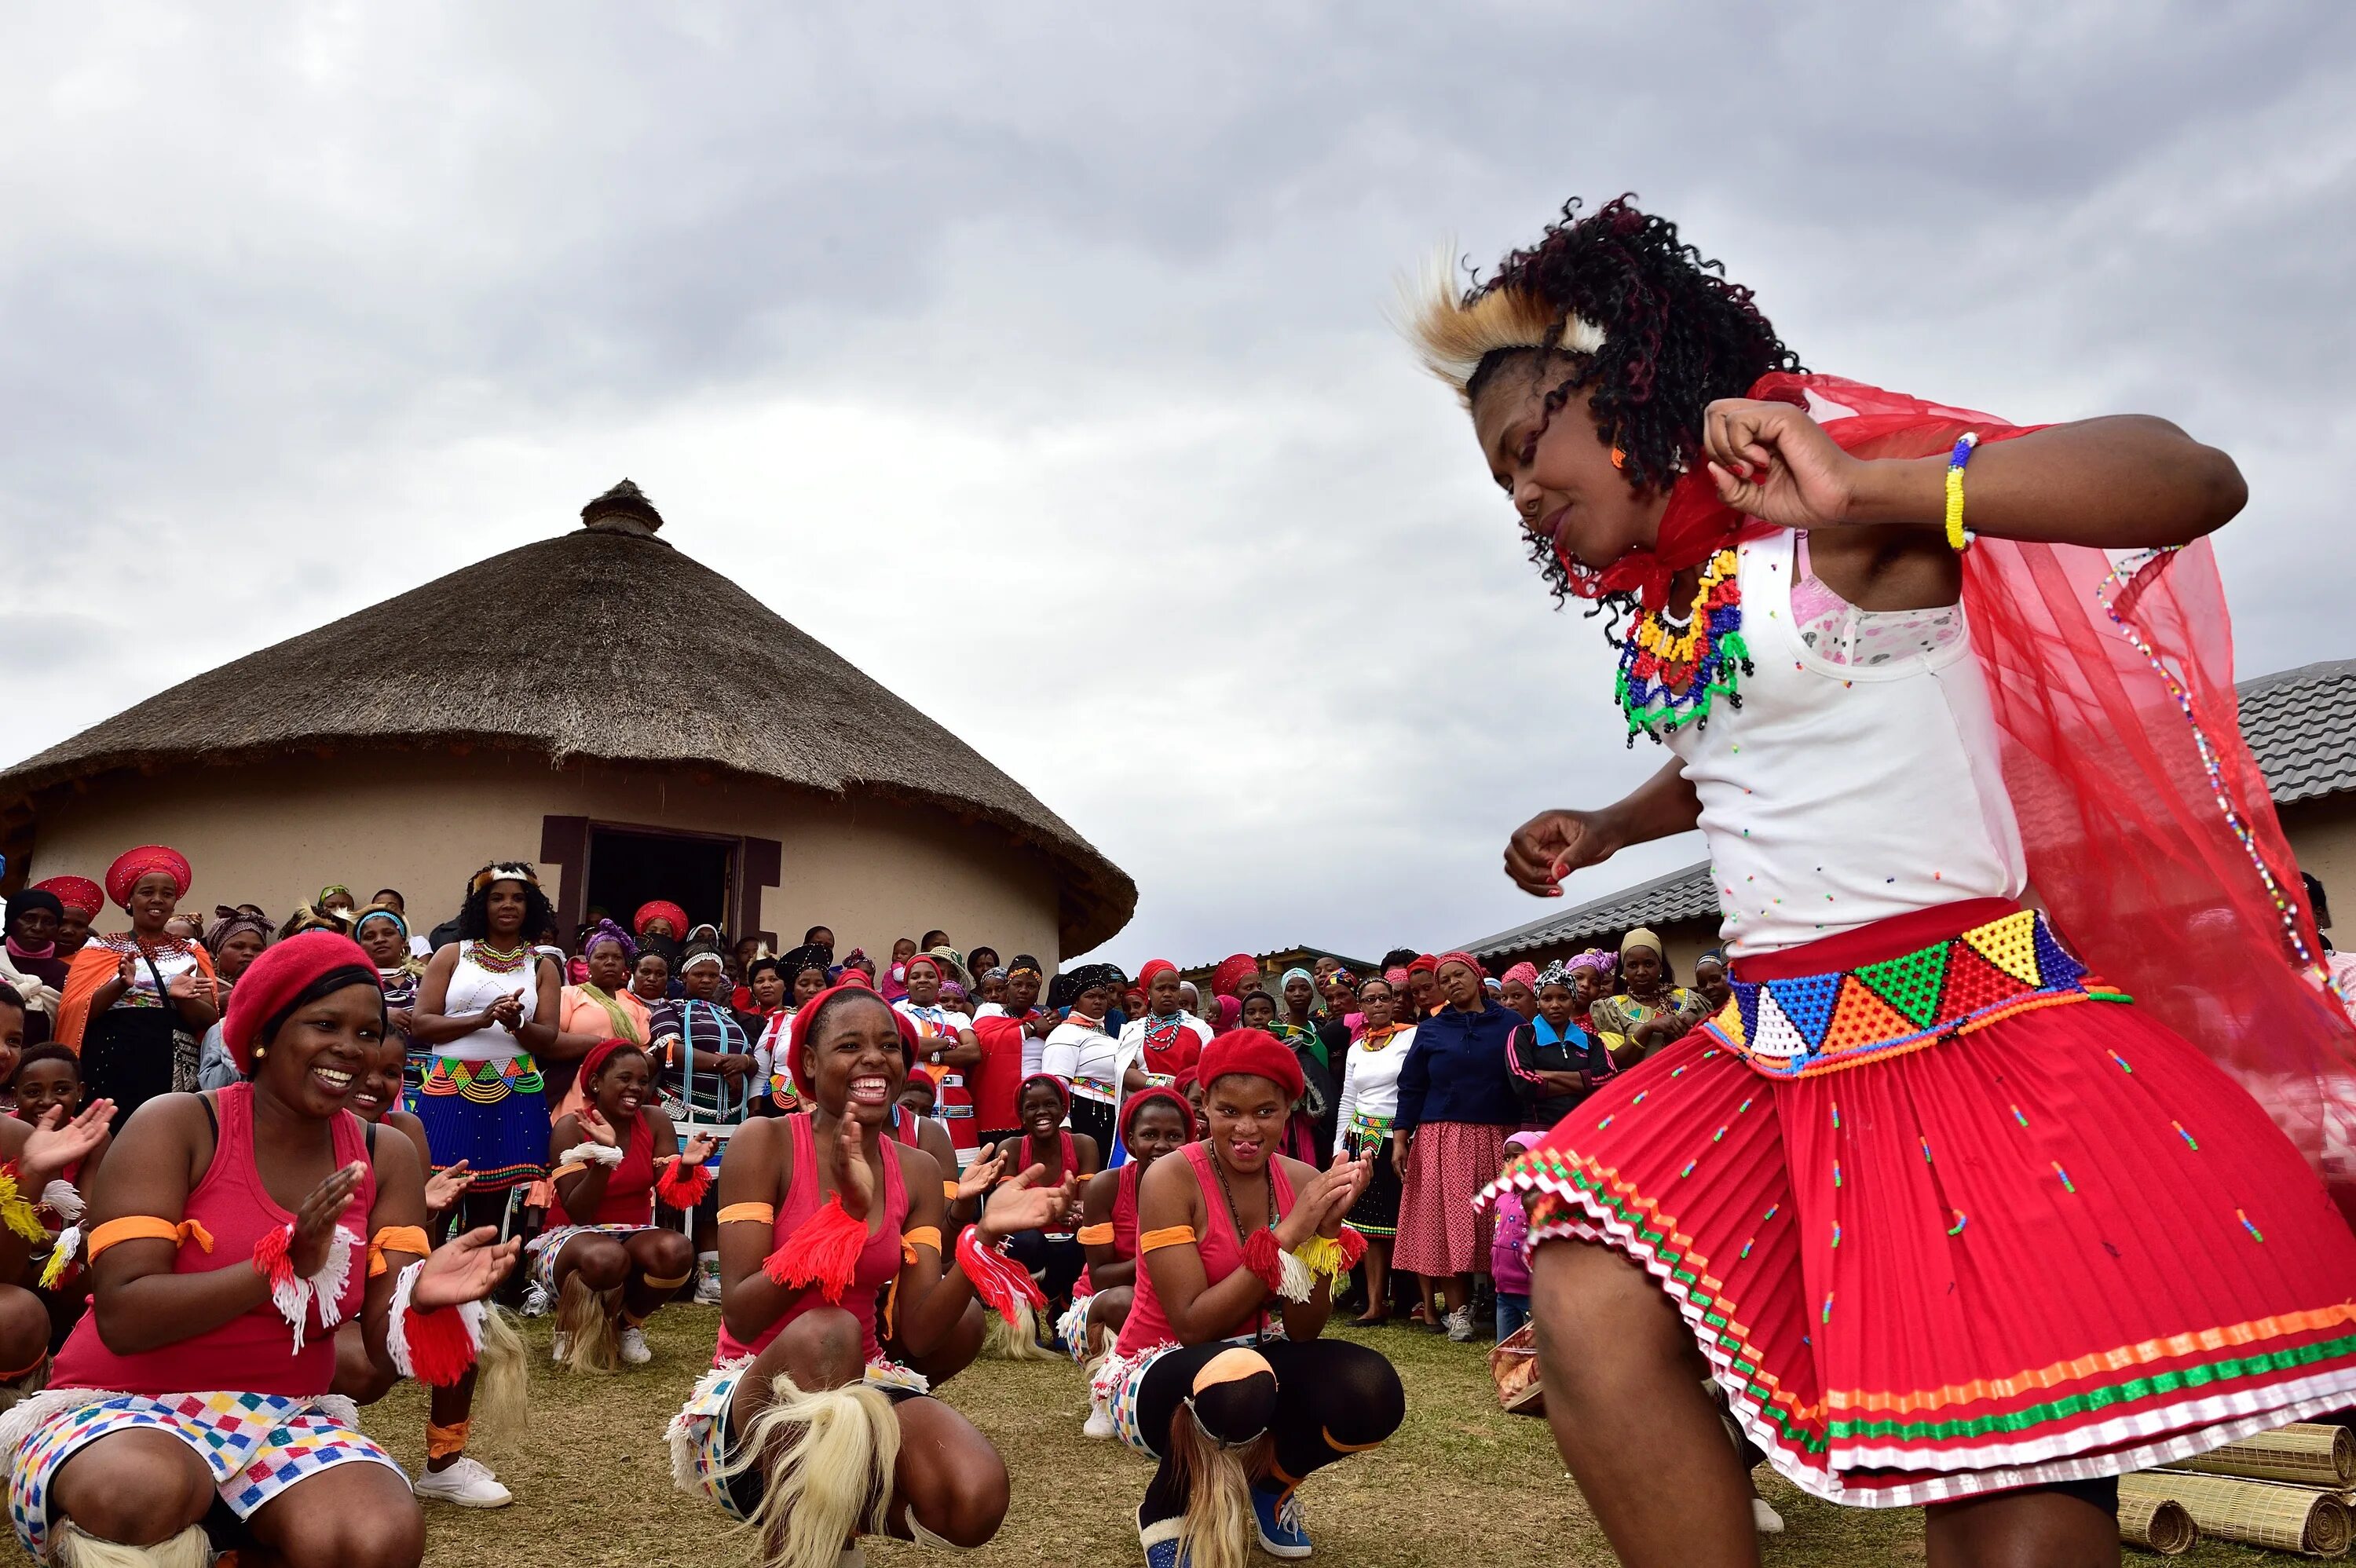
[[1034, 358]]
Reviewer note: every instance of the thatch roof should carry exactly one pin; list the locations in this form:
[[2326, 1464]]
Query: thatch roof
[[625, 651]]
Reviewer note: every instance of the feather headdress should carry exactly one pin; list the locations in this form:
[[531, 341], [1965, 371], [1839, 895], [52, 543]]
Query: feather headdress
[[1454, 331]]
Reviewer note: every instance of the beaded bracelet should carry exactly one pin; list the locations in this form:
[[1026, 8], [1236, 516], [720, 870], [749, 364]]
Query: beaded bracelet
[[1957, 540]]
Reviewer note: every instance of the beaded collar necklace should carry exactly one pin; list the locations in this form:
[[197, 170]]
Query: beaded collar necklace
[[1671, 671], [491, 960]]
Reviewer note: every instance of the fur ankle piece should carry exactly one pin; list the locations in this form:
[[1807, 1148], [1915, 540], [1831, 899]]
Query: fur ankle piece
[[77, 1548]]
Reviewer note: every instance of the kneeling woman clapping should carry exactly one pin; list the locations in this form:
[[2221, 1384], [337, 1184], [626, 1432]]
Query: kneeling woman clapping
[[803, 1427]]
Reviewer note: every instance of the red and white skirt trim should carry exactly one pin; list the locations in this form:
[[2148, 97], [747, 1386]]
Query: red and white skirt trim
[[2060, 1245]]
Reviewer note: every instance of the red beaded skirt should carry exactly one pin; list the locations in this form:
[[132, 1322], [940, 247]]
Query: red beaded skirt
[[1964, 1248]]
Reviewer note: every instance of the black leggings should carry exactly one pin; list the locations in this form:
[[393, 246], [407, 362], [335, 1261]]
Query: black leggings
[[1329, 1399], [1054, 1261]]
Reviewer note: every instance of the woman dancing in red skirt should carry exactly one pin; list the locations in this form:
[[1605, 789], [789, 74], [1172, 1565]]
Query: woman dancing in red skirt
[[1952, 1221]]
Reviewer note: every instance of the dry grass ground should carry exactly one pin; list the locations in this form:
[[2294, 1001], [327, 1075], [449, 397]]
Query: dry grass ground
[[1460, 1483]]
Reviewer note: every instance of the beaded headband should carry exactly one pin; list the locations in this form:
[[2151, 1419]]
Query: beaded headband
[[513, 871]]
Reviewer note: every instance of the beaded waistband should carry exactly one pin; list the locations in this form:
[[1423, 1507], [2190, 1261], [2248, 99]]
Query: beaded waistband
[[1812, 1024], [1370, 1126]]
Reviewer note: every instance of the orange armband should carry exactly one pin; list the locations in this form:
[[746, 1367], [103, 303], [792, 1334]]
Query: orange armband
[[754, 1214], [920, 1236], [950, 1189], [396, 1239], [1100, 1235], [148, 1228], [1174, 1236]]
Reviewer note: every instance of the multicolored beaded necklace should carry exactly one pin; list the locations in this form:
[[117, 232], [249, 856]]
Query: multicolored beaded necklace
[[1671, 672], [491, 961]]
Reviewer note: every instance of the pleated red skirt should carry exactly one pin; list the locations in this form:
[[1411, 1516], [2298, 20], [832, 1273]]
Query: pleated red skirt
[[2060, 1245]]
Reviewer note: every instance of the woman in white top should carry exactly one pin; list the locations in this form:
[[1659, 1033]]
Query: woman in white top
[[1079, 1051], [1369, 1100], [487, 1002], [1954, 1222]]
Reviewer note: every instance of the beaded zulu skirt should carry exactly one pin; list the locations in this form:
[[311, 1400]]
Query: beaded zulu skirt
[[1948, 1217], [492, 1115]]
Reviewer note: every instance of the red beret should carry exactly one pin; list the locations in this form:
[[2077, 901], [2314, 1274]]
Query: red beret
[[274, 980], [1255, 1051], [805, 1020], [1425, 962], [1154, 966], [1147, 1096], [1063, 1090]]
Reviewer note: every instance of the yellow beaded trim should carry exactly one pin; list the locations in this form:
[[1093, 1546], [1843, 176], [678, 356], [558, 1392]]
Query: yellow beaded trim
[[1957, 540]]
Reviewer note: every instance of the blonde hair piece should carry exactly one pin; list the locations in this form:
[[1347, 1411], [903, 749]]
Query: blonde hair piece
[[1452, 338]]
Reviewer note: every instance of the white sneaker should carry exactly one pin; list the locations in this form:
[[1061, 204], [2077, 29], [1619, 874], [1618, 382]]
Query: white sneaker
[[559, 1348], [1459, 1325], [468, 1483], [1765, 1519], [707, 1290], [537, 1303], [632, 1342], [1100, 1420]]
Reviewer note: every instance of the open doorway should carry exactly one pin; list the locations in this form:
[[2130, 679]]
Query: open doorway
[[627, 869]]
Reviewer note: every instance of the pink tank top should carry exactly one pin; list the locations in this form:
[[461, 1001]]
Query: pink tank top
[[1124, 1221], [1223, 1253], [879, 1264], [251, 1353], [629, 1188]]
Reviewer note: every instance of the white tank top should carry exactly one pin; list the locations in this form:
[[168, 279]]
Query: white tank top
[[473, 988], [1841, 794]]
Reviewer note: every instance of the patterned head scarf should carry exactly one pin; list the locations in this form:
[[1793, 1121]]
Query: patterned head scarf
[[79, 894], [605, 931], [1297, 973], [1233, 971], [1525, 972], [228, 922], [1555, 974]]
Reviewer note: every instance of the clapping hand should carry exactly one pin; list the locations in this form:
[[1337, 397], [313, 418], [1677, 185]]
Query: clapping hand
[[975, 1180], [57, 1143], [467, 1269], [314, 1223], [599, 1129], [697, 1150], [854, 1180], [446, 1186], [1021, 1206]]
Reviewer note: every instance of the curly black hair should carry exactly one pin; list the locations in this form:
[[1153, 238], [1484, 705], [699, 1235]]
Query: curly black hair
[[1677, 336], [474, 919]]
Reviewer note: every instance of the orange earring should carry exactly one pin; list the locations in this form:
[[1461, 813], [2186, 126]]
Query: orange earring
[[1619, 458]]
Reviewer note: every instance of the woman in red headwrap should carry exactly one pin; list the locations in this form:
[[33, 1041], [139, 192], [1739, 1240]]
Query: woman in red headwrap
[[229, 1233], [83, 902], [1163, 1041], [1901, 1192], [137, 1003], [603, 1259], [1153, 1123], [1219, 1372], [831, 1242]]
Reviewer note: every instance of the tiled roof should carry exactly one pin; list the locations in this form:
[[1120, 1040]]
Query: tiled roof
[[1681, 895], [2300, 725]]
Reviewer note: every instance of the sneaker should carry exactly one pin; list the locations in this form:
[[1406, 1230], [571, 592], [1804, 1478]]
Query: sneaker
[[1161, 1542], [468, 1483], [559, 1348], [537, 1303], [707, 1290], [1765, 1519], [1279, 1517], [632, 1343], [1100, 1420], [1459, 1326]]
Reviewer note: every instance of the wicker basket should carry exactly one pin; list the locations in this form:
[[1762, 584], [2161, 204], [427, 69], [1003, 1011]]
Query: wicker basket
[[2155, 1523], [2308, 1454], [2260, 1513]]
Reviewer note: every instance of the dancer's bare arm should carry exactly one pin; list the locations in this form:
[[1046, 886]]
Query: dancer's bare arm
[[1553, 844]]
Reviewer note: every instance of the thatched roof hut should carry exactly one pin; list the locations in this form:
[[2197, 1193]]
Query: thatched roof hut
[[623, 687]]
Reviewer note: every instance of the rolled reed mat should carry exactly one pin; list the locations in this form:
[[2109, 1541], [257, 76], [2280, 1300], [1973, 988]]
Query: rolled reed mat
[[2260, 1513], [2155, 1523], [2308, 1454]]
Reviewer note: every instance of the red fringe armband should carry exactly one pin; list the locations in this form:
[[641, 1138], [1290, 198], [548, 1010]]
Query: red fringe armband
[[997, 1279], [270, 1259], [1264, 1259], [442, 1348], [684, 1192], [823, 1251]]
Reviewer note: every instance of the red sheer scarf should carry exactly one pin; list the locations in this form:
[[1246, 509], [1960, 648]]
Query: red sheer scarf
[[2151, 836]]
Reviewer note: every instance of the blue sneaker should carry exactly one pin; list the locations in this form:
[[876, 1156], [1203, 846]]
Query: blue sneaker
[[1279, 1514], [1162, 1549]]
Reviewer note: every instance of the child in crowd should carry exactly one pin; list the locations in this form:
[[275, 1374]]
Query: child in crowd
[[50, 1075], [1506, 1265]]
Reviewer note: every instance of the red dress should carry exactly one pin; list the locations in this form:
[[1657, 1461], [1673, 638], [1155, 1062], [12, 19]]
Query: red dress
[[629, 1198]]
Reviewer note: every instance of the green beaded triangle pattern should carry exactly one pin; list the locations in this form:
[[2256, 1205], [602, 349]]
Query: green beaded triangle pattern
[[1911, 984], [1669, 714]]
